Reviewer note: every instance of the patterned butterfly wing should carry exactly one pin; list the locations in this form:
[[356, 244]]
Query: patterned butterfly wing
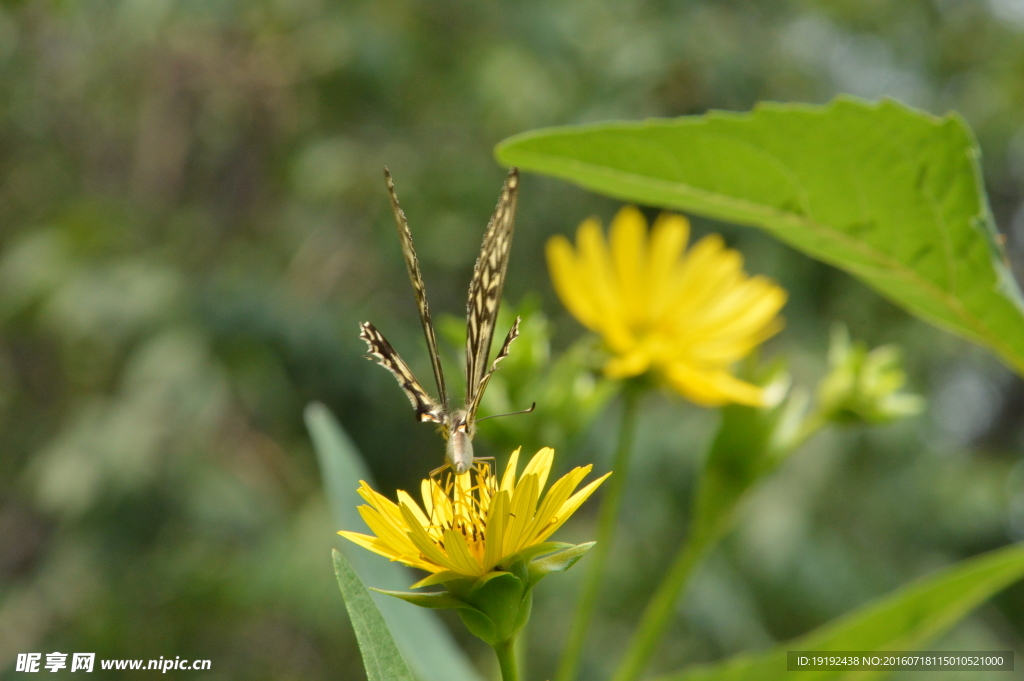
[[381, 351], [416, 279], [485, 291], [513, 333]]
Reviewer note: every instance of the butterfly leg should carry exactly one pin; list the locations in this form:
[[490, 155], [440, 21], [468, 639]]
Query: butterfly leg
[[436, 477], [489, 461], [486, 471]]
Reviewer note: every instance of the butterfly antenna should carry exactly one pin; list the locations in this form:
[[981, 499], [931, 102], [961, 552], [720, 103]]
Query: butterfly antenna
[[511, 413]]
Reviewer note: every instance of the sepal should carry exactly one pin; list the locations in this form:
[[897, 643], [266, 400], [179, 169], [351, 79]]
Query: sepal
[[531, 552], [505, 600], [496, 606], [559, 562], [437, 600], [479, 620], [442, 577]]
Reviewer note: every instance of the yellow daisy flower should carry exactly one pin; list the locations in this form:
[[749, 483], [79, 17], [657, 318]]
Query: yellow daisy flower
[[688, 316], [472, 524]]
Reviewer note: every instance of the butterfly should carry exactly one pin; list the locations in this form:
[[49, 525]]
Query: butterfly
[[457, 425]]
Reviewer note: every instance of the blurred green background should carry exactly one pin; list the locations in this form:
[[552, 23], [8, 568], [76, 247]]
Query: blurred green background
[[193, 220]]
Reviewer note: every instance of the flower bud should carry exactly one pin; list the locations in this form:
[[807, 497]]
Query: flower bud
[[863, 386]]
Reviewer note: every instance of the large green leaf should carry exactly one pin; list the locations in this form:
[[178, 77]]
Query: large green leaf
[[903, 620], [890, 194], [424, 640], [381, 658]]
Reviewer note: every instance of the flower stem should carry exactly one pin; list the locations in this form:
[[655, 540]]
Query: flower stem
[[507, 660], [569, 665], [660, 608], [701, 539], [812, 423]]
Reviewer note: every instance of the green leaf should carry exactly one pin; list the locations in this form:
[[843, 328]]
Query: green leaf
[[892, 195], [422, 637], [381, 658], [904, 620]]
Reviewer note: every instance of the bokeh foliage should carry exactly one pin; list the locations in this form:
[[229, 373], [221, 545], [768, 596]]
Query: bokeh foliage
[[193, 221]]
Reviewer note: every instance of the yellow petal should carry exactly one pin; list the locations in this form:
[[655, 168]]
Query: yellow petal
[[540, 465], [443, 514], [570, 286], [570, 506], [524, 501], [395, 536], [668, 238], [427, 493], [629, 364], [708, 269], [734, 308], [553, 500], [378, 501], [412, 560], [423, 542], [405, 499], [713, 388], [496, 522], [371, 543], [597, 274], [629, 254], [458, 552], [752, 307], [508, 481]]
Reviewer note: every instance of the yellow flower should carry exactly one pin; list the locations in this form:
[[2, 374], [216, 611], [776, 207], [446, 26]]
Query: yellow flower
[[472, 524], [687, 316]]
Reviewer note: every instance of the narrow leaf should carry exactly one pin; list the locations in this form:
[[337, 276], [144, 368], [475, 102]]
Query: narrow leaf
[[890, 194], [423, 638], [381, 658], [906, 619]]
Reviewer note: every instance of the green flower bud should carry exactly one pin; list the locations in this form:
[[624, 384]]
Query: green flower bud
[[863, 386]]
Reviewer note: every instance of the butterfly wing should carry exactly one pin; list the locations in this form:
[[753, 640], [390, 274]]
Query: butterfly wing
[[485, 292], [381, 351], [416, 279], [513, 333]]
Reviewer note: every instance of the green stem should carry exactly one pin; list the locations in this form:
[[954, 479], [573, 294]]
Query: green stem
[[813, 422], [569, 665], [701, 538], [507, 660], [661, 607], [519, 646]]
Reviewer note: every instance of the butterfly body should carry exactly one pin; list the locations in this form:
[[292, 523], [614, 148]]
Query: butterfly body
[[458, 451], [457, 425]]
